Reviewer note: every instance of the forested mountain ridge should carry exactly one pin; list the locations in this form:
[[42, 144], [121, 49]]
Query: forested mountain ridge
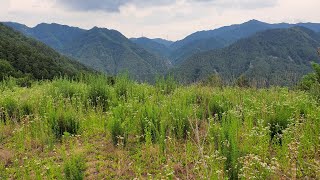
[[22, 56], [163, 41], [152, 46], [54, 35], [111, 52], [222, 37], [102, 49], [271, 57]]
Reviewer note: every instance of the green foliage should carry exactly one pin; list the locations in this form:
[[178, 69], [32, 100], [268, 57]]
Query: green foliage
[[214, 81], [6, 69], [117, 133], [74, 167], [166, 85], [63, 120], [27, 57], [213, 132], [99, 92], [311, 82], [242, 81], [102, 49], [10, 110], [274, 57]]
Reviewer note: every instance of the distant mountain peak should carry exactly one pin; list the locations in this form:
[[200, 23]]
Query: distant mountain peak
[[254, 21]]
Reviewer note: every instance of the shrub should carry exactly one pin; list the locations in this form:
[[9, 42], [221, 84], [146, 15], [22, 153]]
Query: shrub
[[6, 69], [99, 92], [9, 110], [311, 82], [26, 108], [62, 121], [166, 85], [74, 168], [242, 81], [117, 132], [279, 120], [214, 81]]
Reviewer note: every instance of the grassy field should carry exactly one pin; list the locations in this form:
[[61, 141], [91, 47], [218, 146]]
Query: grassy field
[[98, 128]]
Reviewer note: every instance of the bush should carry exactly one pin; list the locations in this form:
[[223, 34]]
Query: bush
[[166, 85], [117, 132], [6, 69], [62, 121], [311, 82], [99, 92], [74, 168], [214, 81], [243, 82], [9, 110]]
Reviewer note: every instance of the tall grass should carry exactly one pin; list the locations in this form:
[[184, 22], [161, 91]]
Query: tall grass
[[126, 129]]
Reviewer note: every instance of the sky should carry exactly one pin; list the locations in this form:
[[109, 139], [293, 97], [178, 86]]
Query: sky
[[168, 19]]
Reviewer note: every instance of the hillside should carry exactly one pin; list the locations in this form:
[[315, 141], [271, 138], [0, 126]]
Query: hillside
[[197, 46], [102, 49], [225, 36], [25, 56], [111, 52], [272, 57], [53, 35], [163, 41], [153, 46]]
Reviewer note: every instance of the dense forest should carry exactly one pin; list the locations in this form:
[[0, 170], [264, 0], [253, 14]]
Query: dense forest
[[272, 57], [25, 57]]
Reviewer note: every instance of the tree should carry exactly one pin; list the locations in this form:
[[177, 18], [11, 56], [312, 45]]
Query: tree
[[6, 69]]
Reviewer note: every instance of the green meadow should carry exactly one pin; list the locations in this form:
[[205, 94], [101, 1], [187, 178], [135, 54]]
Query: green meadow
[[95, 127]]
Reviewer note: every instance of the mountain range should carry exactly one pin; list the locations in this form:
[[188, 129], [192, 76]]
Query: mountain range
[[102, 49], [271, 57], [219, 38], [269, 54]]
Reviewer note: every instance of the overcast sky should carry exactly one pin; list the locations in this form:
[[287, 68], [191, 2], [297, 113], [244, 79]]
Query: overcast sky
[[172, 19]]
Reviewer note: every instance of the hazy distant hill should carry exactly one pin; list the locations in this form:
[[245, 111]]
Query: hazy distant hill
[[103, 49], [276, 57], [152, 46], [163, 41], [21, 56], [224, 36], [54, 35]]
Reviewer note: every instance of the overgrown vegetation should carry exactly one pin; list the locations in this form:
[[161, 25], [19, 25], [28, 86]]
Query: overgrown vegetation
[[311, 82], [113, 128]]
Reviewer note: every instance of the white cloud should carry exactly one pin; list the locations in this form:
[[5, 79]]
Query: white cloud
[[173, 19]]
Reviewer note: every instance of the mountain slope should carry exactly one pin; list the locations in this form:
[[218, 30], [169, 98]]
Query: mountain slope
[[102, 49], [152, 46], [197, 46], [163, 41], [109, 51], [276, 57], [53, 35], [26, 56], [226, 36]]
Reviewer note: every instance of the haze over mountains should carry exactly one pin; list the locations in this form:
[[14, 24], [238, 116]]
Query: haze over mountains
[[270, 54]]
